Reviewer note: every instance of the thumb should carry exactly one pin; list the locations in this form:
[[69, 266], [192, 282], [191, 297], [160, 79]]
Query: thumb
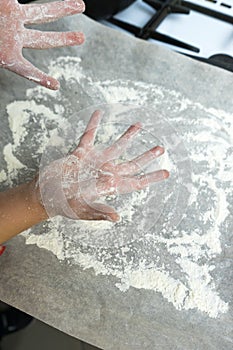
[[99, 211]]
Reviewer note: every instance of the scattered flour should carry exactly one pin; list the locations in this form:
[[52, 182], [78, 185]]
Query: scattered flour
[[174, 262], [12, 161], [49, 240], [3, 176]]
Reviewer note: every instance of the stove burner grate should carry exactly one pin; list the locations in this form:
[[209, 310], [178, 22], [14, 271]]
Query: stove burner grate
[[163, 9]]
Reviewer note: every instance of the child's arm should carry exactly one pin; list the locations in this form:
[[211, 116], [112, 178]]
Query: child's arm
[[19, 210]]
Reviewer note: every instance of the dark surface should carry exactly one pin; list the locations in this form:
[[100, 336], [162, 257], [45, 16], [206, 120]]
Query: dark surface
[[100, 9], [218, 60], [39, 336]]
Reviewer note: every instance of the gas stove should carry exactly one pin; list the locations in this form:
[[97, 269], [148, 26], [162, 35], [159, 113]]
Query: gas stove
[[202, 29]]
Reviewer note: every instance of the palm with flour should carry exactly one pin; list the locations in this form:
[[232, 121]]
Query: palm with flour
[[72, 186], [15, 36]]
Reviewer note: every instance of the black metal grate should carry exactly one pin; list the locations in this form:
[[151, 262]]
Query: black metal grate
[[163, 9]]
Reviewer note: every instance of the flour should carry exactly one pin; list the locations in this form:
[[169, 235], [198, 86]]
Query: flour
[[177, 261], [13, 163], [51, 240], [3, 176]]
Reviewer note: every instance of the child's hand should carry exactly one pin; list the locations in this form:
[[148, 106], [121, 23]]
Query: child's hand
[[14, 35], [72, 186]]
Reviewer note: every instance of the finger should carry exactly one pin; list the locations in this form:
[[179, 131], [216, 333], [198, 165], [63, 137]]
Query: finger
[[136, 165], [136, 183], [35, 39], [25, 69], [118, 147], [99, 212], [88, 138], [49, 12]]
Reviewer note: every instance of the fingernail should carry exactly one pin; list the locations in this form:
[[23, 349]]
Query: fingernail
[[76, 5], [166, 173], [76, 38], [2, 249], [113, 219], [159, 150], [52, 84], [138, 125]]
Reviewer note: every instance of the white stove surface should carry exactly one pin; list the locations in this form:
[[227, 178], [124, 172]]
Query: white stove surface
[[210, 35]]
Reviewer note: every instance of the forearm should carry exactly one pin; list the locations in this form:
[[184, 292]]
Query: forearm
[[19, 210]]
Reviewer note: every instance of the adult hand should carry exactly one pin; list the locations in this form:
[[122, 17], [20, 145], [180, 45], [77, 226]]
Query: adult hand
[[15, 37], [72, 186]]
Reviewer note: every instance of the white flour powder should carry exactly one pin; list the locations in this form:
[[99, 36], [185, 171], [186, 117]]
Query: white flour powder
[[3, 176], [175, 263]]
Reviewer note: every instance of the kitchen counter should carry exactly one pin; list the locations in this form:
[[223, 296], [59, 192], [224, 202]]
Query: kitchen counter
[[90, 299]]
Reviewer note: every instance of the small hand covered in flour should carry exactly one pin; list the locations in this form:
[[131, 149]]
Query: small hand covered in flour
[[15, 37], [72, 186]]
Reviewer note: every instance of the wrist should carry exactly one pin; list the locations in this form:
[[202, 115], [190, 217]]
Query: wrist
[[20, 209], [35, 202]]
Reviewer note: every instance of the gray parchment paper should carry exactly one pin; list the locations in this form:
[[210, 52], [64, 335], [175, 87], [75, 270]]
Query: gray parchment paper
[[77, 301]]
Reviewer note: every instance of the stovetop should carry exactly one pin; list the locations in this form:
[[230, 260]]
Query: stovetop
[[202, 29]]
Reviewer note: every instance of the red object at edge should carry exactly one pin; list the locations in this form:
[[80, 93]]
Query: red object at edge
[[2, 249]]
